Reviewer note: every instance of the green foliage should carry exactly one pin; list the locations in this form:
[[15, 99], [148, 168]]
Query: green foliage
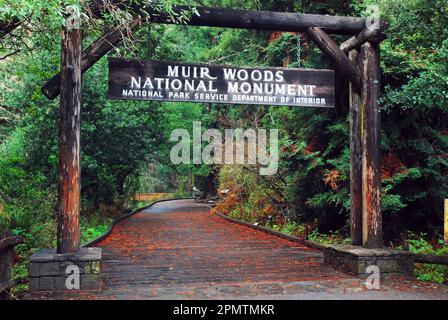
[[415, 111], [42, 237], [293, 228], [27, 202], [119, 139], [93, 228], [125, 145], [428, 272], [328, 239], [314, 143]]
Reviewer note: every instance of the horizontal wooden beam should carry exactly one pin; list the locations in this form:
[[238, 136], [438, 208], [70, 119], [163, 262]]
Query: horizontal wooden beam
[[214, 17], [90, 56], [371, 35], [341, 62], [246, 19], [267, 20], [97, 8]]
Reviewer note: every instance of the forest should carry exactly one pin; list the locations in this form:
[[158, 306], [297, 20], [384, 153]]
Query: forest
[[125, 145]]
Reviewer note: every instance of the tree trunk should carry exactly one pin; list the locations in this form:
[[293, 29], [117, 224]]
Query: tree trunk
[[371, 153], [355, 115], [209, 189], [69, 146]]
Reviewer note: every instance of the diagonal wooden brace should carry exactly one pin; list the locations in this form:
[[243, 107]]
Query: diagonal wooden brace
[[372, 35], [341, 62], [90, 56]]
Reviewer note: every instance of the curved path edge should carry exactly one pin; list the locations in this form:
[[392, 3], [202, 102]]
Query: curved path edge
[[124, 217], [273, 232], [176, 249]]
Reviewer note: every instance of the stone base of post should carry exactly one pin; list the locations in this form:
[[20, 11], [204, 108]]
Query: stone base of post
[[357, 260], [50, 271]]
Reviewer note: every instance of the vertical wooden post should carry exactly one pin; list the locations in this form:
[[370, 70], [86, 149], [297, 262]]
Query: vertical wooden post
[[445, 228], [69, 145], [355, 114], [6, 258], [371, 149]]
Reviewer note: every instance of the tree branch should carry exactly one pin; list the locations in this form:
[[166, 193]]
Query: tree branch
[[10, 54]]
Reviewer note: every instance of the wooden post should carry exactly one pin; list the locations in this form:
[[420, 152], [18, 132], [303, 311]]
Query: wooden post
[[7, 243], [69, 145], [445, 228], [371, 149], [90, 56], [355, 114]]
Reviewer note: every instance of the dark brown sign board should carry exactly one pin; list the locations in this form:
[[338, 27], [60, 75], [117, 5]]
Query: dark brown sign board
[[173, 81]]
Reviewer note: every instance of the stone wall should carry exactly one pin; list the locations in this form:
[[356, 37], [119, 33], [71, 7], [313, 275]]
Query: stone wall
[[354, 259], [49, 271]]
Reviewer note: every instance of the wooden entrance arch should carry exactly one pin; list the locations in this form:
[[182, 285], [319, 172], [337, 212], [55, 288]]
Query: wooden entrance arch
[[357, 59]]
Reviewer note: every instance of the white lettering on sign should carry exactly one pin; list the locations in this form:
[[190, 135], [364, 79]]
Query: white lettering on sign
[[145, 80]]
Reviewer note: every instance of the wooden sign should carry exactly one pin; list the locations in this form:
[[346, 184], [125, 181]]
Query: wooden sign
[[172, 81]]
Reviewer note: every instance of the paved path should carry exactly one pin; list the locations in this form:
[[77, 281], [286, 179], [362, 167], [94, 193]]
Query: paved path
[[179, 250]]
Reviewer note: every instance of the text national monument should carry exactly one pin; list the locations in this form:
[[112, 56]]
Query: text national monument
[[172, 81]]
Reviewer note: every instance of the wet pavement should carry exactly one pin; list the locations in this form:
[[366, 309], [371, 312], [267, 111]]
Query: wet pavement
[[179, 250]]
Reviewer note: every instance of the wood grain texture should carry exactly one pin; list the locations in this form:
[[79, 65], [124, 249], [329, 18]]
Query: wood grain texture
[[69, 145], [9, 242], [371, 153], [367, 35], [90, 56], [341, 62], [247, 19], [267, 20], [355, 115]]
